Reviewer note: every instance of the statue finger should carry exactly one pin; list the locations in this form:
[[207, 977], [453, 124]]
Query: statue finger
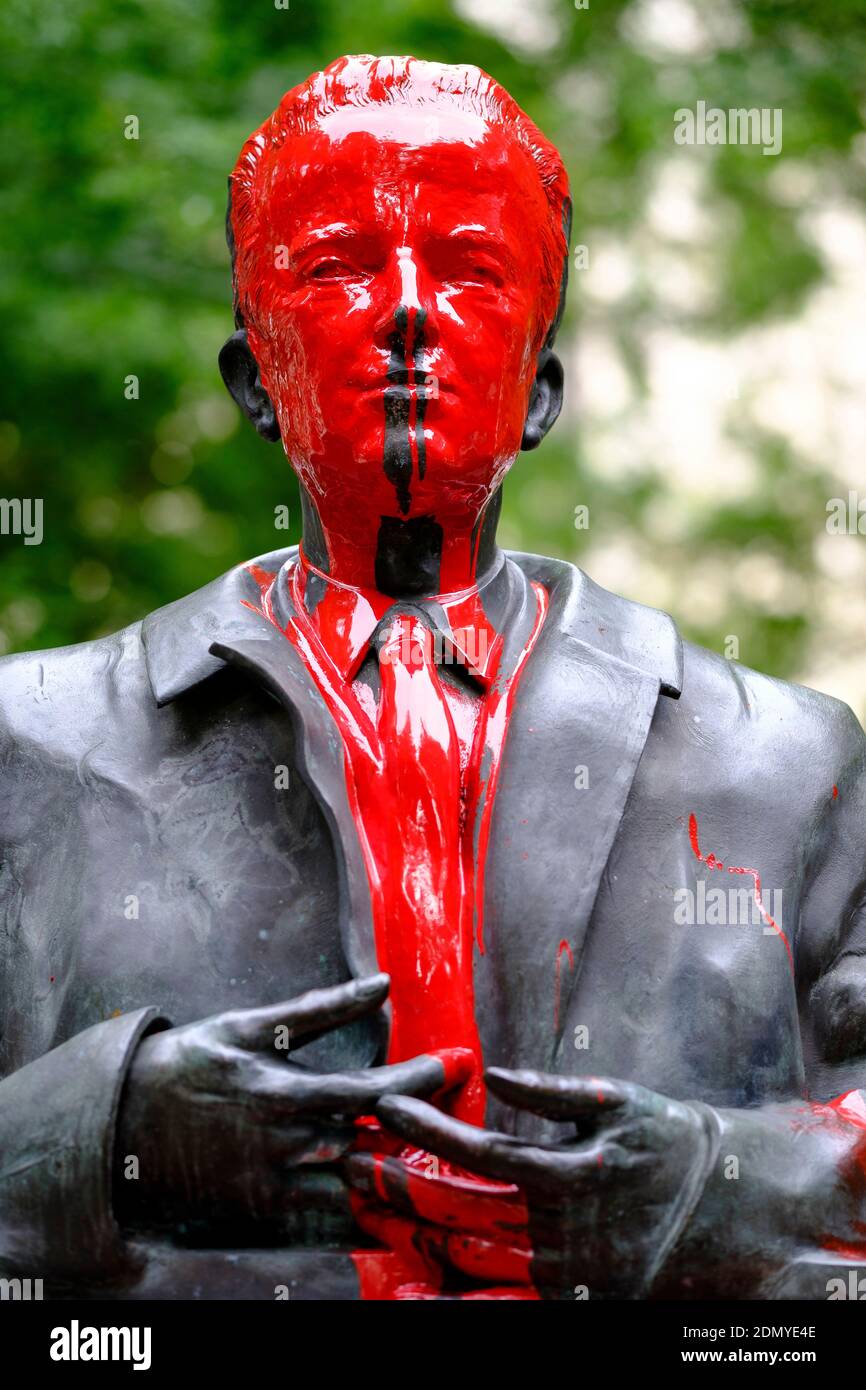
[[308, 1016]]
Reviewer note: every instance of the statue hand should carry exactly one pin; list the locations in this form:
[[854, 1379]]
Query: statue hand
[[229, 1130], [604, 1205]]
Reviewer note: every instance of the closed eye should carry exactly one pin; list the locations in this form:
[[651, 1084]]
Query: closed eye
[[478, 274], [331, 270]]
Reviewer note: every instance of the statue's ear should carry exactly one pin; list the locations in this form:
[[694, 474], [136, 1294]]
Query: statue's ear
[[545, 402], [240, 373]]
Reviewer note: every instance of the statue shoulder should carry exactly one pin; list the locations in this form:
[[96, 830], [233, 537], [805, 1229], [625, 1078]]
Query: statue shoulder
[[711, 700], [64, 695], [78, 690], [781, 713]]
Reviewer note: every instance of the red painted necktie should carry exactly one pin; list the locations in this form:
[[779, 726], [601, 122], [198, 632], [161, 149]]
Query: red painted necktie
[[427, 946], [418, 822]]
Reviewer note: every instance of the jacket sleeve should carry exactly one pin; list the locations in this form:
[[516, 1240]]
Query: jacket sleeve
[[57, 1128]]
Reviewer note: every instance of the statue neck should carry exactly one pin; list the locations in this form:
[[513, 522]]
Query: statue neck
[[404, 558]]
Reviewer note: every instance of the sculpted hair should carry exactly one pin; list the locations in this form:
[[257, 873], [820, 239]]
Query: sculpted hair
[[364, 80]]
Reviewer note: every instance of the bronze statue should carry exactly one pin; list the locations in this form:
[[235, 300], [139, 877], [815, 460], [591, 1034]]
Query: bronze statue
[[367, 915]]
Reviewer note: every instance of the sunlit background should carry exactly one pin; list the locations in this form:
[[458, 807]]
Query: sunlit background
[[715, 341]]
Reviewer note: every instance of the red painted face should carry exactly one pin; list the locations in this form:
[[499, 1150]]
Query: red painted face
[[396, 300]]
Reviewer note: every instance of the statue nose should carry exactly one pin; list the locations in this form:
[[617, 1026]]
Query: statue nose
[[408, 272], [408, 318]]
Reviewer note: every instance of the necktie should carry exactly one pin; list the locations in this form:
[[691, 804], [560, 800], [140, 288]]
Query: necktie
[[428, 933]]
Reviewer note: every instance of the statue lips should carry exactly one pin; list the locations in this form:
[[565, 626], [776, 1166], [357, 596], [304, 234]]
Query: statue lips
[[413, 385]]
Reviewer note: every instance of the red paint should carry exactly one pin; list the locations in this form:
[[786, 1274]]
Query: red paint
[[264, 578], [346, 617], [394, 184], [713, 863], [424, 938], [430, 1216], [406, 775], [835, 791], [845, 1252], [562, 949], [851, 1107], [400, 246], [843, 1113], [440, 1192], [420, 861]]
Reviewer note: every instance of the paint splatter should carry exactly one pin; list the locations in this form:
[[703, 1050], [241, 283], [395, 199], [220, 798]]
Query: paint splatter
[[563, 949], [713, 863]]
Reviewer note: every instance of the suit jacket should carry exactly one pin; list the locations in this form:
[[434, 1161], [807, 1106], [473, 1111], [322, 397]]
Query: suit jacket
[[155, 866]]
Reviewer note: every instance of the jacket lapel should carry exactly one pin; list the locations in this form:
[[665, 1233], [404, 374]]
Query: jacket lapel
[[581, 717], [222, 626]]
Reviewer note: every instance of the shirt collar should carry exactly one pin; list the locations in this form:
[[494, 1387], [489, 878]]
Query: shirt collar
[[470, 623], [179, 640]]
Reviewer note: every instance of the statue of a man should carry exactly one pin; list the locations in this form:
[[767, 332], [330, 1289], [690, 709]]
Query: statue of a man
[[398, 917]]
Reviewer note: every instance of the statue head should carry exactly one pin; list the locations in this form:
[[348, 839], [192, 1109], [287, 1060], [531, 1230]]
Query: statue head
[[399, 238]]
